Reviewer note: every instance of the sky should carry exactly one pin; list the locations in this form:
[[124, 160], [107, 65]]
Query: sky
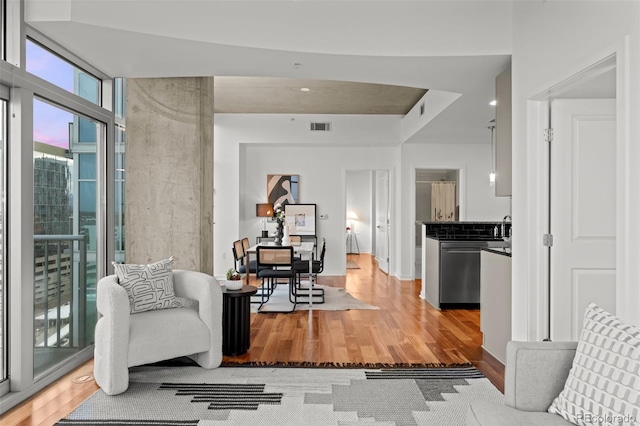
[[50, 124]]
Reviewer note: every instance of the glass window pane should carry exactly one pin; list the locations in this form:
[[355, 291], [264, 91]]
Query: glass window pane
[[119, 221], [3, 29], [65, 238], [3, 293], [86, 131], [87, 166], [120, 101], [54, 69]]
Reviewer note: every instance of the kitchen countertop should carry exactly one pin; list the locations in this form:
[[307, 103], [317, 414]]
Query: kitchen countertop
[[471, 222], [504, 251]]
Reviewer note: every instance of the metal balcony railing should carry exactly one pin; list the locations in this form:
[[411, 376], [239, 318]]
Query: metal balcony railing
[[60, 275]]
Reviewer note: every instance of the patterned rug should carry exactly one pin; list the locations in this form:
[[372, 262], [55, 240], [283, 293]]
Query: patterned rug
[[289, 396]]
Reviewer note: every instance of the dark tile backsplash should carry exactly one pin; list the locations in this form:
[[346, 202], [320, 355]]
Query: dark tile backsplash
[[464, 229]]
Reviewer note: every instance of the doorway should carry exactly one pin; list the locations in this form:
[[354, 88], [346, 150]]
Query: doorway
[[581, 198], [424, 207], [367, 216]]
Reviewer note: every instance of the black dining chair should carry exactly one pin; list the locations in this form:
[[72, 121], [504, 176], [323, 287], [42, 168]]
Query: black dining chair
[[302, 267], [241, 261], [248, 266], [275, 263], [238, 255]]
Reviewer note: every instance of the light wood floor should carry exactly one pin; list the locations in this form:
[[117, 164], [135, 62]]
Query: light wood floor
[[405, 329]]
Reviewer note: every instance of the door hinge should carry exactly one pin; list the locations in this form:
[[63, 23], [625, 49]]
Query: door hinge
[[547, 240], [548, 135]]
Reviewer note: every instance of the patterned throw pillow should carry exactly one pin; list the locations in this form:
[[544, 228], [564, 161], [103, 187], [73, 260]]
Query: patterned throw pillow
[[148, 286], [603, 386]]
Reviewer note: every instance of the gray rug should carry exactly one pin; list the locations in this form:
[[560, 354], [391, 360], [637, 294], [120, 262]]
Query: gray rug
[[289, 396], [335, 299]]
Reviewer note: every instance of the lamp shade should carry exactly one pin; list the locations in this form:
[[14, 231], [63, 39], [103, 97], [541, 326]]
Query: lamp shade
[[264, 210], [352, 216]]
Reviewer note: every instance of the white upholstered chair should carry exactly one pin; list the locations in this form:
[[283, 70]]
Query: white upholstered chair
[[124, 340]]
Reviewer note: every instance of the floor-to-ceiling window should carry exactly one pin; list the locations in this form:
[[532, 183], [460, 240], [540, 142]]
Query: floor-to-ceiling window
[[65, 238], [59, 140], [4, 388], [119, 160], [4, 96], [65, 172]]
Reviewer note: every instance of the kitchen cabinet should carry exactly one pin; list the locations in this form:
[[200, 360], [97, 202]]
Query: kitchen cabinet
[[431, 271], [495, 303], [443, 201], [503, 134]]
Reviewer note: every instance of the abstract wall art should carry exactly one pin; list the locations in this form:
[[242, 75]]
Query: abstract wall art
[[282, 189]]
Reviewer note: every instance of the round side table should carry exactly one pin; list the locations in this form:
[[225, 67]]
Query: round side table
[[236, 320]]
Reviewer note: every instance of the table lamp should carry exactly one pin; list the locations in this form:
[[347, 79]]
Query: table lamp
[[264, 211]]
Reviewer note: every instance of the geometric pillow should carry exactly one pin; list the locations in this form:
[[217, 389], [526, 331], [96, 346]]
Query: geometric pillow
[[603, 386], [148, 286]]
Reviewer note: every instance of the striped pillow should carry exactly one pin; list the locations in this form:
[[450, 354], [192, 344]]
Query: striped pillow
[[603, 386], [149, 287]]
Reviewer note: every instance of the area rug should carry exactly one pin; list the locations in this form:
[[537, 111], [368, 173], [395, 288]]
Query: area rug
[[352, 265], [289, 396], [335, 299]]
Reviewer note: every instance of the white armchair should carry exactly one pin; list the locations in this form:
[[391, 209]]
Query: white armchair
[[124, 340]]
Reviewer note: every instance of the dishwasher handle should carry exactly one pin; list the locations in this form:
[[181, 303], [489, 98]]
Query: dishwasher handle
[[461, 250]]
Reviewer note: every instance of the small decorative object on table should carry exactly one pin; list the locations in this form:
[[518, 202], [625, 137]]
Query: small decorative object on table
[[234, 280], [278, 213], [286, 240]]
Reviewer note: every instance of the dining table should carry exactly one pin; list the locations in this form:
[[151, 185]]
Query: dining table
[[302, 249]]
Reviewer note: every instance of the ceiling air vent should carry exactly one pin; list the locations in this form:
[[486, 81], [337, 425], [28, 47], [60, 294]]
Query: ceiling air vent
[[320, 127]]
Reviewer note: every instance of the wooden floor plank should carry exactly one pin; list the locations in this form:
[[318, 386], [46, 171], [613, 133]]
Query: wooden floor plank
[[405, 329]]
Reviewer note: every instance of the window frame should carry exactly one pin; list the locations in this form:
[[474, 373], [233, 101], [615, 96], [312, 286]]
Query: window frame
[[23, 88]]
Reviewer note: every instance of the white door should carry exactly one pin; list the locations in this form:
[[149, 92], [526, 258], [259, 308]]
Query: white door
[[382, 219], [583, 212]]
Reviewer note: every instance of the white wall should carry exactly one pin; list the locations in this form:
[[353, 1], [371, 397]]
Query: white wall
[[359, 200], [477, 199], [551, 42], [322, 181]]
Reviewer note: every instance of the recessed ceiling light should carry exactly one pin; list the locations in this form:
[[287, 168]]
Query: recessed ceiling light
[[305, 89], [493, 102]]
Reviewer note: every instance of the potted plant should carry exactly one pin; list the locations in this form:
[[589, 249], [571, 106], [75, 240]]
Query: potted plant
[[234, 280]]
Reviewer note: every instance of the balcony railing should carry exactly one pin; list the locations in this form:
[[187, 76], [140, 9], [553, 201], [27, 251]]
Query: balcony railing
[[60, 273]]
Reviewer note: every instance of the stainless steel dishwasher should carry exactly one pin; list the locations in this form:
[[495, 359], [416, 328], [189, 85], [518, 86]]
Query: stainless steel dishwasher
[[460, 274]]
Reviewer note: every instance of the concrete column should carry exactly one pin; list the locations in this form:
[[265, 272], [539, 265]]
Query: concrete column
[[169, 171]]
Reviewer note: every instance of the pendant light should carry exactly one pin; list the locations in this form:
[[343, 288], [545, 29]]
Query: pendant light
[[492, 173]]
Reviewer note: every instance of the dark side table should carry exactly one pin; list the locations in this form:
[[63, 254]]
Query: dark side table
[[236, 320]]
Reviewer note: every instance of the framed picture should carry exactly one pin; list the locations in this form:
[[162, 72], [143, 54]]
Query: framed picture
[[301, 218], [282, 189]]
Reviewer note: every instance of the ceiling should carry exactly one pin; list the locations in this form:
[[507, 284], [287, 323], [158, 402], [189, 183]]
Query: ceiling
[[259, 51], [268, 95]]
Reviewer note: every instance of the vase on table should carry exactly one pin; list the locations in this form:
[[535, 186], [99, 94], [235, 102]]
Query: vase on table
[[279, 232], [286, 241]]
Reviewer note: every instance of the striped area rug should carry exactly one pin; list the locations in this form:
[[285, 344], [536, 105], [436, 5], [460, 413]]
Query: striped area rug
[[190, 395]]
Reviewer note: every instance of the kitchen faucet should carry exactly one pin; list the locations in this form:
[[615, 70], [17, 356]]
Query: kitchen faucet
[[503, 229]]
